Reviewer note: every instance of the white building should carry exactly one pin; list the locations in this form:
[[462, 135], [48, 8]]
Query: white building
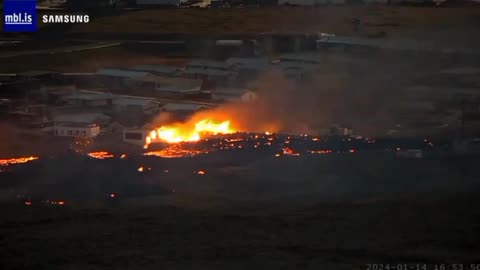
[[81, 130], [85, 125], [135, 136]]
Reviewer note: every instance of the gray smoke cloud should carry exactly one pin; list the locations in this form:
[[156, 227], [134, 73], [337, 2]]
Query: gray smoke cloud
[[352, 93]]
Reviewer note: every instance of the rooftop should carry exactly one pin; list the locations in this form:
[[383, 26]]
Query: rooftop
[[208, 72], [211, 64], [230, 91], [133, 101], [182, 107], [173, 83], [309, 57], [89, 96], [81, 118], [163, 69], [250, 63], [75, 124]]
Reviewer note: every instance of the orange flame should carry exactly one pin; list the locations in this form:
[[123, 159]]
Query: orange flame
[[189, 132]]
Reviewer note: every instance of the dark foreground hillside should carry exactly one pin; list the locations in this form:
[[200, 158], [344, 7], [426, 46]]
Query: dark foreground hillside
[[343, 235]]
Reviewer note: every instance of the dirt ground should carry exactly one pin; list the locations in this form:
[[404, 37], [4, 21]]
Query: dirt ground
[[332, 235], [339, 212]]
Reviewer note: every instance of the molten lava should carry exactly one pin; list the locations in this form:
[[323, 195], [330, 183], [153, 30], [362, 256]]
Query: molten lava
[[100, 155], [9, 161], [189, 132], [176, 151]]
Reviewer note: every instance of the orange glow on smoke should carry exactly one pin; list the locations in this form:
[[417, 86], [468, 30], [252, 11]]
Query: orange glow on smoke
[[9, 161], [189, 132]]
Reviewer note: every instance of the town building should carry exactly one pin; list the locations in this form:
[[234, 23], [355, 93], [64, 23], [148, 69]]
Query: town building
[[183, 107], [83, 125], [248, 68], [234, 95], [128, 104], [82, 118], [208, 69], [135, 136], [118, 78], [161, 70], [87, 99], [169, 87], [80, 130]]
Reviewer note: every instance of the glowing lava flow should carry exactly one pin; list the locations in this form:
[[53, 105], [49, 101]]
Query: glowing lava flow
[[9, 161], [175, 151], [189, 132], [100, 155]]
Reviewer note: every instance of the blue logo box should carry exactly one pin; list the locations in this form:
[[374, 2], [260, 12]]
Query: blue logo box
[[20, 15]]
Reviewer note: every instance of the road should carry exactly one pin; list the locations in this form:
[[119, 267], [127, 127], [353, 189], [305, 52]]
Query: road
[[77, 48]]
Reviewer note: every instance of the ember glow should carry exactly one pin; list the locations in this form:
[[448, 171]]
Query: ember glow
[[290, 152], [20, 160], [175, 151], [189, 132], [320, 151], [100, 155], [200, 172]]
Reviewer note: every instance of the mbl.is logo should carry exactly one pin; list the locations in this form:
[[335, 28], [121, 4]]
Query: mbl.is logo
[[20, 15]]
